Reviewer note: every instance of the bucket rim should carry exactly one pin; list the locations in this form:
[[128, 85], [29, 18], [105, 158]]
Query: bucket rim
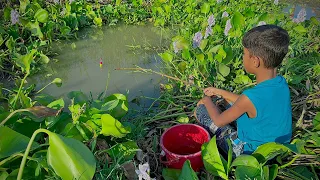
[[179, 155]]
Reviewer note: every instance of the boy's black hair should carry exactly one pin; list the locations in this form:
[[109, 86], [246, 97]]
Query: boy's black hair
[[269, 42]]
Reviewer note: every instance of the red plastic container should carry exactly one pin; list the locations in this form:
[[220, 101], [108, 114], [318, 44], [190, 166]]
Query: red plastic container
[[182, 142]]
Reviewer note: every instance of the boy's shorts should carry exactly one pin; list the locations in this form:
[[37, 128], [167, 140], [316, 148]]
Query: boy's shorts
[[222, 133]]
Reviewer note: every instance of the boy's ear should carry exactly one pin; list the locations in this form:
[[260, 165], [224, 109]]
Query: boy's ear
[[256, 61]]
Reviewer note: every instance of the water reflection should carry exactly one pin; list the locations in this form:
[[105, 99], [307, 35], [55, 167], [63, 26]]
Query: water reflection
[[79, 67]]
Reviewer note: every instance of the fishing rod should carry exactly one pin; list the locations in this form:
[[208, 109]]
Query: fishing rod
[[163, 75]]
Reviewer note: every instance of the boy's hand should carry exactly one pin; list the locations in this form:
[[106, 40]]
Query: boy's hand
[[211, 91]]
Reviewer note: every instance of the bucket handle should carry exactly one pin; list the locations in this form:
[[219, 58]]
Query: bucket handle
[[168, 162]]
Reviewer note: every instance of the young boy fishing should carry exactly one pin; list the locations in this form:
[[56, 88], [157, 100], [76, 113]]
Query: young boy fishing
[[262, 113]]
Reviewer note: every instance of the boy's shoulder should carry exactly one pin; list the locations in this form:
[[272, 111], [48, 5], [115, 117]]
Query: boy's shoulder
[[270, 85]]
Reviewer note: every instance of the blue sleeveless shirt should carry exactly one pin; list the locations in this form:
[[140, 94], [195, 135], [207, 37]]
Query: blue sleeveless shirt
[[273, 121]]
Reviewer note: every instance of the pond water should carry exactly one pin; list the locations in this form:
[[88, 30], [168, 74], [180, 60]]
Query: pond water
[[116, 47]]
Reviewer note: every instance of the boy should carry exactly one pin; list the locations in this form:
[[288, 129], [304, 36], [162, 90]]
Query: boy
[[262, 113]]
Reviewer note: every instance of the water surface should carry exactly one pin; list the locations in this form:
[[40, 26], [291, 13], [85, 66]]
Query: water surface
[[120, 47]]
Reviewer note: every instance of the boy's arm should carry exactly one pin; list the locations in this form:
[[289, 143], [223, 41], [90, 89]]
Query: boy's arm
[[241, 106], [229, 96]]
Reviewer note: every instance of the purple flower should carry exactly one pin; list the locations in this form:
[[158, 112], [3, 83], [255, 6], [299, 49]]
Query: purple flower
[[225, 14], [211, 20], [14, 16], [301, 16], [261, 23], [227, 28], [175, 47], [208, 32], [276, 2], [197, 39]]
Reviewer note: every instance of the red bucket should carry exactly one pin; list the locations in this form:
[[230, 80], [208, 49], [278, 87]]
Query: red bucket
[[182, 142]]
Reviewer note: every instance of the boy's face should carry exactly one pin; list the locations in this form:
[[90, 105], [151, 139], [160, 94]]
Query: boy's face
[[248, 62]]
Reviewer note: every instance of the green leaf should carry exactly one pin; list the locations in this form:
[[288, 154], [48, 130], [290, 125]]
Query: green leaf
[[12, 142], [25, 61], [224, 70], [42, 15], [203, 44], [314, 21], [57, 81], [186, 54], [10, 43], [25, 101], [229, 155], [316, 122], [97, 21], [65, 30], [51, 122], [57, 104], [237, 20], [200, 57], [273, 171], [303, 171], [205, 8], [212, 159], [35, 29], [78, 96], [300, 29], [246, 160], [244, 172], [266, 172], [229, 55], [112, 127], [170, 174], [215, 49], [183, 119], [116, 105], [1, 40], [268, 151], [182, 66], [4, 175], [69, 158], [44, 99], [44, 59], [109, 8], [263, 17], [7, 13], [118, 2], [187, 172], [124, 151], [167, 57], [23, 6], [181, 43]]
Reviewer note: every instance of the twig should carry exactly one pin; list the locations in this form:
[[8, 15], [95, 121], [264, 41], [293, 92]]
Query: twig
[[164, 117], [161, 74]]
